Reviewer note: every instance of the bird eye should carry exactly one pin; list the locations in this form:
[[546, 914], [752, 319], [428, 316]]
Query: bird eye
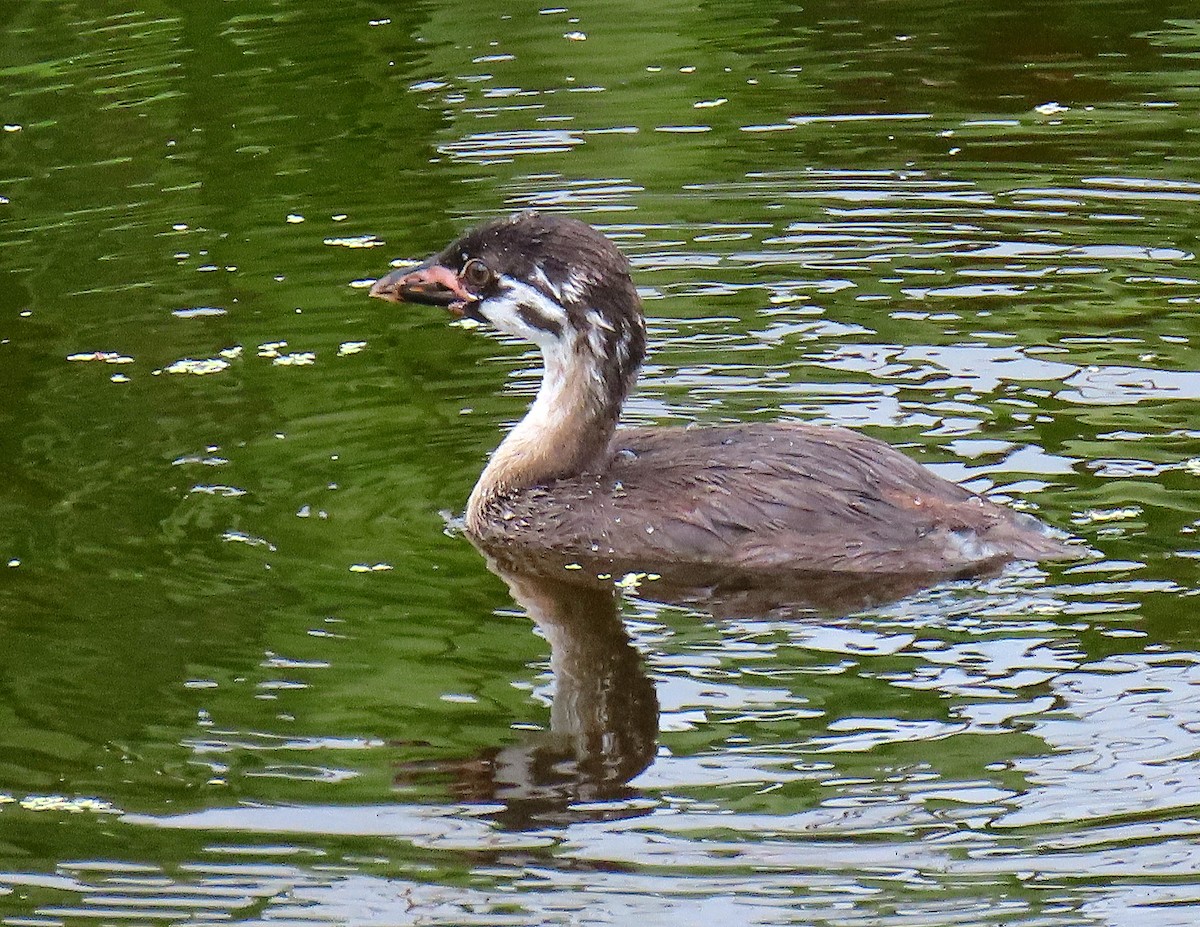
[[476, 273]]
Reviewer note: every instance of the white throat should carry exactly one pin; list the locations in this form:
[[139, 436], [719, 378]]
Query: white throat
[[572, 418]]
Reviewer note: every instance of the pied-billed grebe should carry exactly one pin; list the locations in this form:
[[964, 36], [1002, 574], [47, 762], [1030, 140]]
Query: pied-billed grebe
[[757, 496]]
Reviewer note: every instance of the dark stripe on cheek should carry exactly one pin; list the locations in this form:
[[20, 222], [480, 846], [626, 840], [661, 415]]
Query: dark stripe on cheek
[[535, 319]]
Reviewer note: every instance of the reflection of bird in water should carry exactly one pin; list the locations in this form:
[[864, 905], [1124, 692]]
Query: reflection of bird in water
[[756, 496], [604, 714], [603, 720]]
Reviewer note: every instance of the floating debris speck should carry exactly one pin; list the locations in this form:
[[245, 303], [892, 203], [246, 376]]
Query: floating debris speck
[[271, 348], [228, 492], [200, 368], [1092, 516], [241, 537], [197, 312], [63, 803], [296, 359], [199, 459], [355, 241], [631, 581], [107, 357]]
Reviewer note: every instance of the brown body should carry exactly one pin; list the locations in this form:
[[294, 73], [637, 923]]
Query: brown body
[[777, 496], [756, 497]]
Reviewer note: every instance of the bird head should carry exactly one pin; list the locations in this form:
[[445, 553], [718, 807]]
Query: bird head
[[548, 279]]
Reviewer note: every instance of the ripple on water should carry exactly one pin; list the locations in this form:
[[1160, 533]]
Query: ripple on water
[[250, 644]]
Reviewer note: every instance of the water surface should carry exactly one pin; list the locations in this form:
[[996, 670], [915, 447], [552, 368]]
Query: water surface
[[247, 676]]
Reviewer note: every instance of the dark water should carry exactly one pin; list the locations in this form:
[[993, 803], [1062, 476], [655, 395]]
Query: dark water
[[245, 674]]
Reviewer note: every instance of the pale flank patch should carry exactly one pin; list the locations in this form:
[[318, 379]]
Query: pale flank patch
[[971, 547]]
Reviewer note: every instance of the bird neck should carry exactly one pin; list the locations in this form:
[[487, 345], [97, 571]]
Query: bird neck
[[567, 429]]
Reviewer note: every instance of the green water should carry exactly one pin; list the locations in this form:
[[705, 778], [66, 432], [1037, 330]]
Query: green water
[[248, 676]]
